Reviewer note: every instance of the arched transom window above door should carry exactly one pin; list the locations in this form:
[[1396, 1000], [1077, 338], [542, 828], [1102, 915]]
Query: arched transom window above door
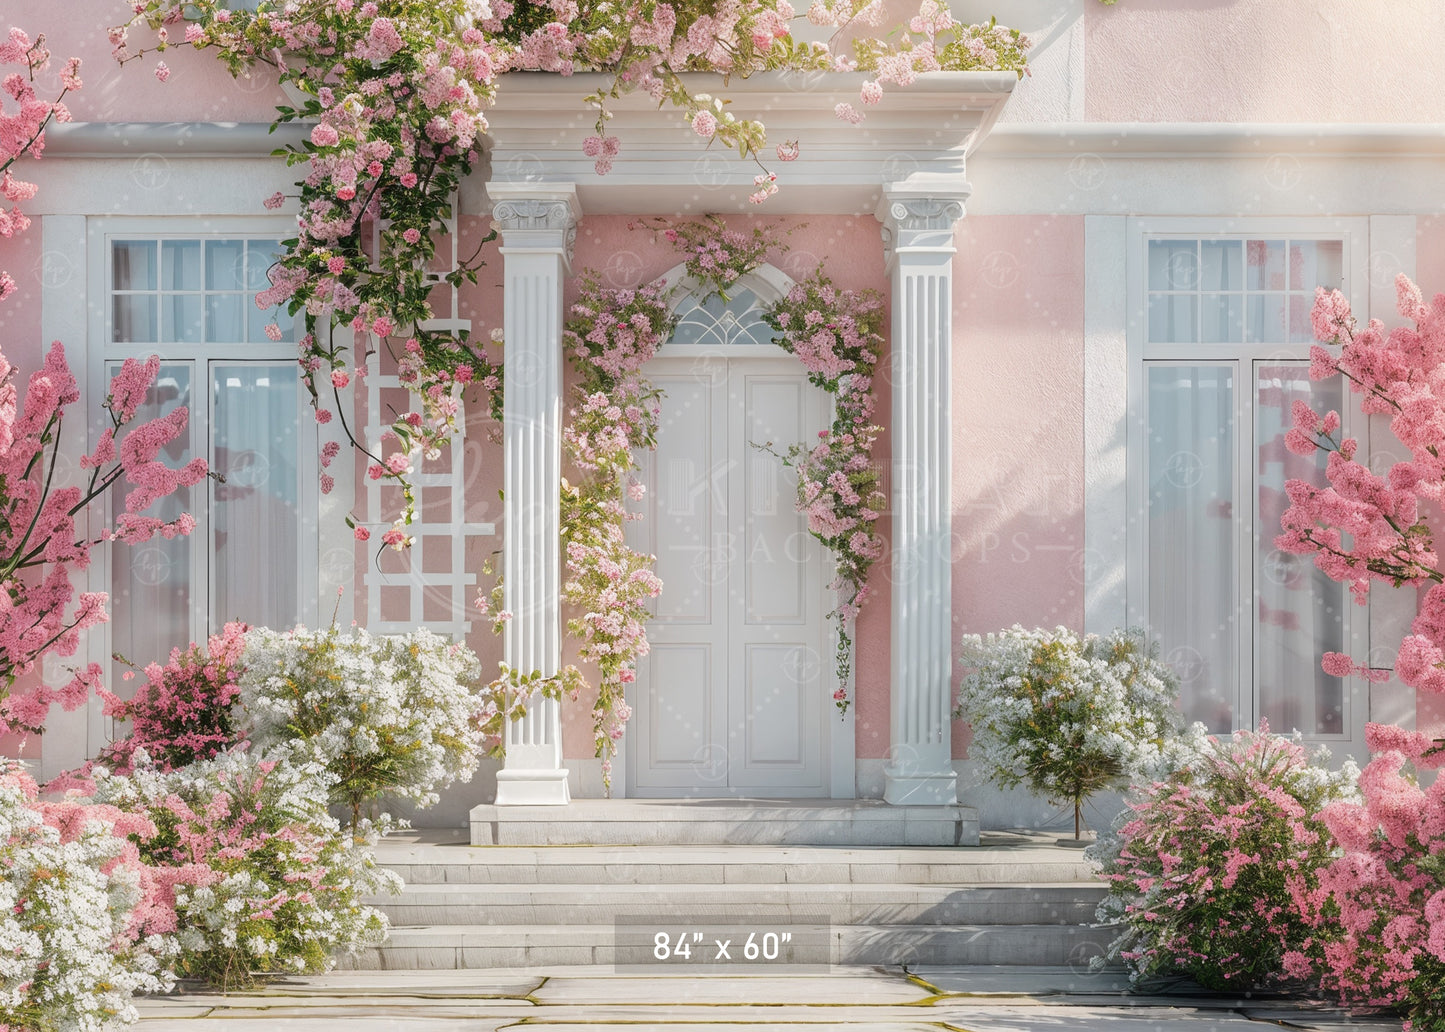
[[705, 321]]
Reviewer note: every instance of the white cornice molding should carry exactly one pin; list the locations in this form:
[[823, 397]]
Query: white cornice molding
[[175, 139], [1214, 139]]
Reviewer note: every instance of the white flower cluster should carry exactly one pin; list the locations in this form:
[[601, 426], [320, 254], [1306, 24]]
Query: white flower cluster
[[64, 964], [1055, 711], [395, 714]]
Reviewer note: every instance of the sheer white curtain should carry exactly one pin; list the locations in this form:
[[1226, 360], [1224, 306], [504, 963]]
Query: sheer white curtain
[[254, 519], [1193, 589], [151, 583], [1299, 611]]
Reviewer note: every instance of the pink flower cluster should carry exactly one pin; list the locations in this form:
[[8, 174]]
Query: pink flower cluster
[[39, 542], [23, 131], [1380, 905], [607, 586], [1365, 526], [616, 330]]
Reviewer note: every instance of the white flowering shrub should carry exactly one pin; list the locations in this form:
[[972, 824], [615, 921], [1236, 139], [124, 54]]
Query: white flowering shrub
[[258, 874], [397, 715], [68, 962], [1067, 715]]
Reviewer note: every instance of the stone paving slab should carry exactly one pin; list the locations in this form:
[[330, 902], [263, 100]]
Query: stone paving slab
[[591, 999], [858, 986]]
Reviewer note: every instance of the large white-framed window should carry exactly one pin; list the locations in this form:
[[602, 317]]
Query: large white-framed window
[[184, 289], [1218, 341]]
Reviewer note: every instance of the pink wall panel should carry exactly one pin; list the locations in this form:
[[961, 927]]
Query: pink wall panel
[[1018, 491], [200, 89], [1264, 61]]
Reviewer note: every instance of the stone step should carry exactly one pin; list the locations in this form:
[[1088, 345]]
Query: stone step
[[842, 904], [1024, 862], [852, 822], [493, 946]]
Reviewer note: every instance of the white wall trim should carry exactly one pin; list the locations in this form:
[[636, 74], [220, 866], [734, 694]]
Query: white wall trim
[[1223, 139], [1106, 396]]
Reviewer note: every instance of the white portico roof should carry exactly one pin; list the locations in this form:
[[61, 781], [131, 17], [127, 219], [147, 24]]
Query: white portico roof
[[918, 137]]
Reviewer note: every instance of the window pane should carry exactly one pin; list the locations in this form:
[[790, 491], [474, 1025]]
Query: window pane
[[181, 265], [1223, 318], [225, 264], [133, 318], [1265, 261], [254, 517], [1265, 324], [1193, 587], [151, 581], [1222, 265], [181, 318], [1299, 612], [260, 256], [1173, 318], [133, 265], [224, 317], [1316, 263], [1173, 265], [1300, 329]]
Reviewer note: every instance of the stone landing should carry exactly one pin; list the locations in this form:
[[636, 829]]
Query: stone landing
[[784, 822]]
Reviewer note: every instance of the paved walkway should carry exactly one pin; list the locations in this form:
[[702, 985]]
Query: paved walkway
[[595, 999]]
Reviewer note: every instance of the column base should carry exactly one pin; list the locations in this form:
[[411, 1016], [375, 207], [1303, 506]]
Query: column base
[[917, 788], [532, 788]]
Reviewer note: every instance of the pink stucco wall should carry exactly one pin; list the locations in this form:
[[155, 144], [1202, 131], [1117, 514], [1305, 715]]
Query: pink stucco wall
[[199, 90], [1018, 421], [1264, 61]]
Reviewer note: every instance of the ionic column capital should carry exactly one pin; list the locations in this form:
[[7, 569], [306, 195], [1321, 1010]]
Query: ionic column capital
[[920, 218], [536, 216]]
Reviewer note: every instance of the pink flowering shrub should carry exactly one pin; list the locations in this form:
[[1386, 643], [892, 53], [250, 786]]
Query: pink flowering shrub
[[40, 545], [837, 335], [1204, 867], [183, 712], [1380, 906], [251, 872]]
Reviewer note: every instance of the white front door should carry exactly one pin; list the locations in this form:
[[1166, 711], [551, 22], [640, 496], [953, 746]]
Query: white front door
[[731, 701]]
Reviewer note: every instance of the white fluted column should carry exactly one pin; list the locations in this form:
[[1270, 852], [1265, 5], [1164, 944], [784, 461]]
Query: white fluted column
[[538, 224], [918, 228]]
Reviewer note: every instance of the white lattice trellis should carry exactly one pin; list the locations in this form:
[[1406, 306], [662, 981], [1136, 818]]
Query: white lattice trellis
[[455, 580]]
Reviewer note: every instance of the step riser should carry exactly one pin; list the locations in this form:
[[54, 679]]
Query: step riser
[[958, 873], [602, 914], [703, 833], [1035, 947]]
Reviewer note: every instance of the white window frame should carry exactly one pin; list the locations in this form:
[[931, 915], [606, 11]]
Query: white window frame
[[1354, 234], [100, 232]]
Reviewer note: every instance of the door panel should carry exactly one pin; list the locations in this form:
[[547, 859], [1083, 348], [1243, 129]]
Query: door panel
[[732, 699]]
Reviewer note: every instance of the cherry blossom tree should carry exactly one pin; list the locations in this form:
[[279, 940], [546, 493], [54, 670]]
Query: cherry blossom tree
[[41, 542]]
